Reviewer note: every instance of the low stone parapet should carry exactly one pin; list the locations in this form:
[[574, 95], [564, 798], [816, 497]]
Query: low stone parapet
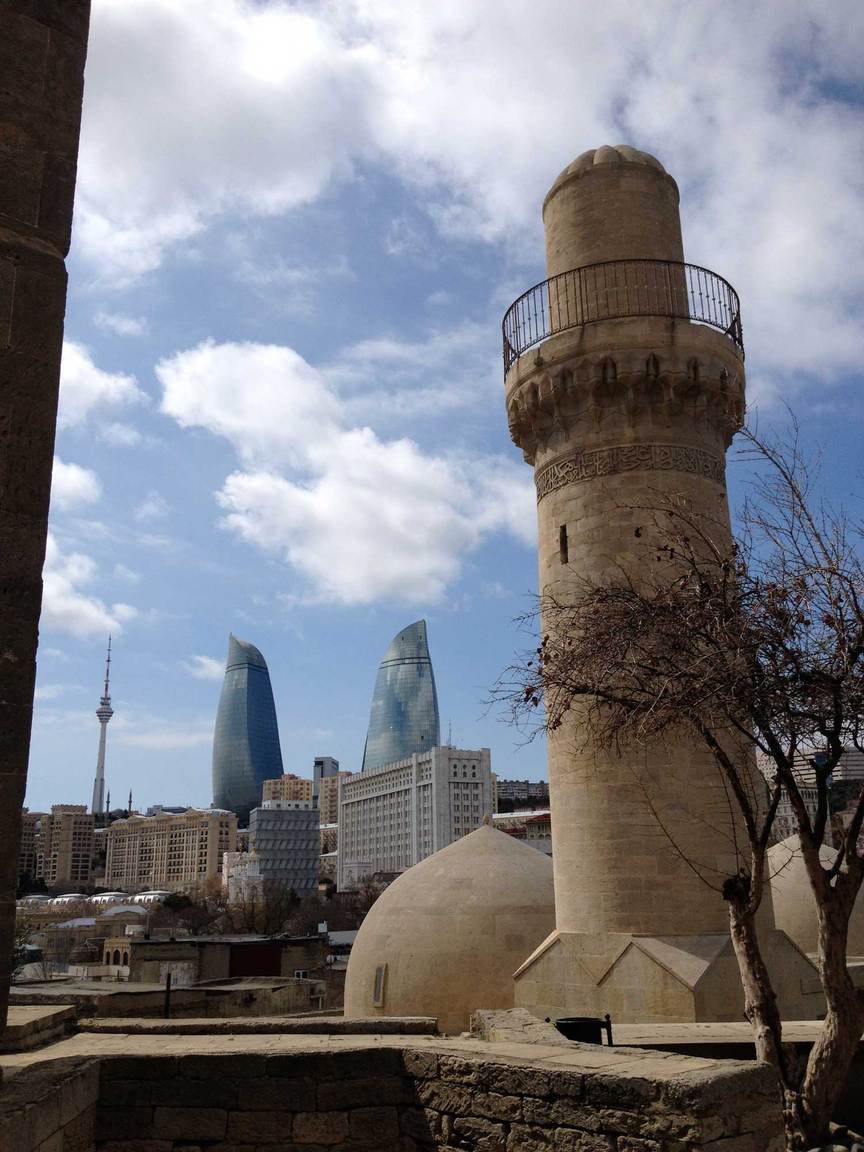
[[380, 1093], [51, 1107]]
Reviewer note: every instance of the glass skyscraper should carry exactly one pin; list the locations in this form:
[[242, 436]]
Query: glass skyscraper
[[404, 715], [246, 748]]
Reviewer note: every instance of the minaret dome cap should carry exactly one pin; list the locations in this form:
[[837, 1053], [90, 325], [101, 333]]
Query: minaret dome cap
[[604, 156]]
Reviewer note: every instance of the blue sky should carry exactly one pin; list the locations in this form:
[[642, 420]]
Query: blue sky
[[297, 228]]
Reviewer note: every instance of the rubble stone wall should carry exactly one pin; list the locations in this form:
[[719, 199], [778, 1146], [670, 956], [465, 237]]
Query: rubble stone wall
[[422, 1100]]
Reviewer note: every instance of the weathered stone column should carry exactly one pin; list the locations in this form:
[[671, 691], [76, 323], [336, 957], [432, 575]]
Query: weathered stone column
[[43, 46], [619, 399]]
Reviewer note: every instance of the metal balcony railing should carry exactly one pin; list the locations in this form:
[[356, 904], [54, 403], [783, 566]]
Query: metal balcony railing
[[619, 288]]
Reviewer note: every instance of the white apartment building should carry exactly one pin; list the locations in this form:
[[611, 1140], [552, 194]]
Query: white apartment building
[[168, 850], [394, 816]]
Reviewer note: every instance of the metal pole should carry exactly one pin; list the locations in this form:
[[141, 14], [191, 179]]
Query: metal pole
[[167, 1010]]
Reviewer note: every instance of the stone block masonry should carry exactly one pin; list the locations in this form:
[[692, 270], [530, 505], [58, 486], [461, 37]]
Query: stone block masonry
[[51, 1108], [414, 1096], [42, 51]]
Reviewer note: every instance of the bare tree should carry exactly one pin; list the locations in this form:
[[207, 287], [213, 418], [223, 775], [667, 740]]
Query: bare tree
[[754, 646], [265, 907]]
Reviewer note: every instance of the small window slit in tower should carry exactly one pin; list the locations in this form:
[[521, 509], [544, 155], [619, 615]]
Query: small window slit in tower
[[562, 543]]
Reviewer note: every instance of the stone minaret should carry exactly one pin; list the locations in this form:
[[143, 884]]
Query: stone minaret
[[104, 713], [625, 383]]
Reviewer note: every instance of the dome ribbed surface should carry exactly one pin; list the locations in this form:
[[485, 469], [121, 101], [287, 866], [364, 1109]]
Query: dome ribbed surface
[[607, 154]]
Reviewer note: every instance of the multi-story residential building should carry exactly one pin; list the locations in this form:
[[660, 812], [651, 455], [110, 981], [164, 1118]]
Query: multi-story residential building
[[328, 797], [323, 768], [246, 749], [532, 828], [393, 816], [27, 853], [785, 820], [64, 845], [404, 717], [285, 840], [523, 791], [169, 850], [844, 785], [287, 787]]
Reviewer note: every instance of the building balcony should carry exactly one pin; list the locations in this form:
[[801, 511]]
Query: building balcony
[[618, 289]]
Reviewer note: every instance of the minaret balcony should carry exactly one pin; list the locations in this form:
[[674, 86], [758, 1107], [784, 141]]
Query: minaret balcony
[[619, 289]]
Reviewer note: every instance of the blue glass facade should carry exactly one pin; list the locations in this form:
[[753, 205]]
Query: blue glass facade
[[246, 748], [404, 715]]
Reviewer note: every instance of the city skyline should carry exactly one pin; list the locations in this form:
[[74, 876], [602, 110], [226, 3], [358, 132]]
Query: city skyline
[[282, 406]]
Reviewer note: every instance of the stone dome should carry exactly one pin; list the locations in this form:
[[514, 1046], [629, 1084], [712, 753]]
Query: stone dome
[[446, 937], [794, 906]]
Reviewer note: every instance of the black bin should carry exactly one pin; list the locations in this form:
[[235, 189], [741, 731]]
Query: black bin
[[585, 1029]]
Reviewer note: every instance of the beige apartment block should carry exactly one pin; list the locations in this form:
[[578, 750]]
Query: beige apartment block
[[393, 816], [27, 853], [287, 787], [624, 381], [328, 796], [63, 845], [168, 850]]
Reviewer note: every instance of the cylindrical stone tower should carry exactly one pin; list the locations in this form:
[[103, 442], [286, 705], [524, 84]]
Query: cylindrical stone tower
[[624, 385]]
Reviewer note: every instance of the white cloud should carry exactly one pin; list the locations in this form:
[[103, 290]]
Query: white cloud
[[476, 107], [359, 518], [120, 324], [387, 379], [86, 389], [264, 398], [272, 116], [66, 607], [205, 667], [121, 572], [120, 435], [72, 486], [154, 506]]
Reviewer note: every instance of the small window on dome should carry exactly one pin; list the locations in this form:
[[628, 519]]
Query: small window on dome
[[378, 987]]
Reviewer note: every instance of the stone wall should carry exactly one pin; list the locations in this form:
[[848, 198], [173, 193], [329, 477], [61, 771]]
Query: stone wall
[[42, 52], [419, 1100], [50, 1108]]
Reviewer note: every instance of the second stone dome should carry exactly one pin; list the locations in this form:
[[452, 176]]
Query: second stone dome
[[446, 937]]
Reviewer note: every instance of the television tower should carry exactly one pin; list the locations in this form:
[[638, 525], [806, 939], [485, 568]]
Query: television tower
[[104, 713]]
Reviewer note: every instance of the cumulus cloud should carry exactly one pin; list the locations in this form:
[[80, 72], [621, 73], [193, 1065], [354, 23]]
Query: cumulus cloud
[[286, 100], [72, 486], [205, 667], [264, 398], [358, 517], [87, 390], [244, 106], [66, 606]]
